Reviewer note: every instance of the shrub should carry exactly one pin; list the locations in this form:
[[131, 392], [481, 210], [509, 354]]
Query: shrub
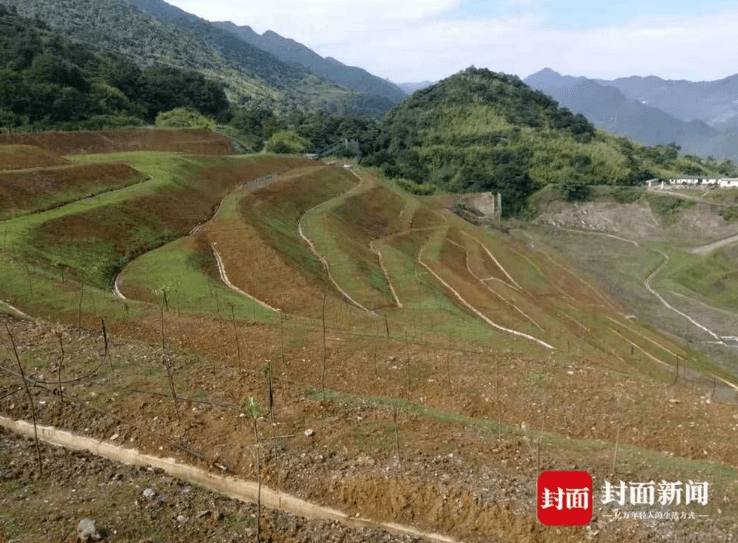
[[421, 189], [729, 213], [184, 118], [627, 195], [287, 142]]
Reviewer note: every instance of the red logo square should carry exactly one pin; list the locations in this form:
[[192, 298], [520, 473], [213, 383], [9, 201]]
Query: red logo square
[[564, 498]]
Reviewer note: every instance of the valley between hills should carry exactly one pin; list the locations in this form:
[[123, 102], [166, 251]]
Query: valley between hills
[[312, 325]]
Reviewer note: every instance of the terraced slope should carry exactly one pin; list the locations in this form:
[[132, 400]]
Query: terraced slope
[[391, 340]]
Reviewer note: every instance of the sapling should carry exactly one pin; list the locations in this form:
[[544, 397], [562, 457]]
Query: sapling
[[255, 412]]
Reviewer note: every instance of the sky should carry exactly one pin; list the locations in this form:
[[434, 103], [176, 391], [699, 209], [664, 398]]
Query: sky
[[418, 40]]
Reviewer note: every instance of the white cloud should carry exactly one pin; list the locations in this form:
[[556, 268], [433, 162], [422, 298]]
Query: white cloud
[[318, 13], [691, 48], [410, 40]]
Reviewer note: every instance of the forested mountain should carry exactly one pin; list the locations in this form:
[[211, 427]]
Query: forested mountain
[[289, 50], [47, 81], [484, 131], [608, 108], [247, 72]]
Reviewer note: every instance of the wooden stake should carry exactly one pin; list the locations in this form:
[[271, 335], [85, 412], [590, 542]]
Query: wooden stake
[[79, 306], [59, 370], [235, 335], [30, 399], [324, 349], [397, 440]]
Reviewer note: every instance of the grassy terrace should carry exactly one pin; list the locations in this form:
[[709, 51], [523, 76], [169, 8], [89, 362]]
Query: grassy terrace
[[423, 378], [48, 255]]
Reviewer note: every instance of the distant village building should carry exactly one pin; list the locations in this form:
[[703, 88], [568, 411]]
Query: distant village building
[[722, 183]]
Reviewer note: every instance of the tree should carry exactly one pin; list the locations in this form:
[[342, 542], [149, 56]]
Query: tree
[[287, 142]]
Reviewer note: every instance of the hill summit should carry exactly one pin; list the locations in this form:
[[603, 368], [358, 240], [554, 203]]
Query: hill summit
[[480, 131]]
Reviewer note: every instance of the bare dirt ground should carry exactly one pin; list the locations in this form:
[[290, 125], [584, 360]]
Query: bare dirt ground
[[26, 188], [201, 142], [696, 225], [462, 480], [137, 504]]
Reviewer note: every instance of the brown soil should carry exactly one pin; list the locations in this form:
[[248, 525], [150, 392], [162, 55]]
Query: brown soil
[[17, 157], [143, 223], [201, 142], [416, 427], [460, 480], [36, 189], [77, 485]]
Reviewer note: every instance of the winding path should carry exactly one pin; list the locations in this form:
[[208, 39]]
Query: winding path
[[489, 253], [16, 310], [701, 250], [224, 278], [386, 273], [116, 287], [320, 257], [652, 291], [493, 291], [474, 309], [706, 249]]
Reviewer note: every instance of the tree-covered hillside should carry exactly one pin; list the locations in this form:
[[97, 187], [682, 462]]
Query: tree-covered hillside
[[289, 50], [47, 81], [247, 72], [483, 131]]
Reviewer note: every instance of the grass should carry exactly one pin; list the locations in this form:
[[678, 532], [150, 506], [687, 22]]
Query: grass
[[730, 213], [667, 207], [628, 195], [343, 228], [621, 268], [275, 212], [91, 239], [714, 277], [181, 271]]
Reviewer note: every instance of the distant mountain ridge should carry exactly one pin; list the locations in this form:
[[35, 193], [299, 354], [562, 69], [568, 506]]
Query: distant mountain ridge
[[291, 51], [154, 32], [611, 110], [630, 107], [714, 102], [412, 87]]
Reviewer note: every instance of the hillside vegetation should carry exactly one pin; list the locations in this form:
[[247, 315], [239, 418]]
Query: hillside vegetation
[[246, 72], [484, 131], [289, 50], [47, 81]]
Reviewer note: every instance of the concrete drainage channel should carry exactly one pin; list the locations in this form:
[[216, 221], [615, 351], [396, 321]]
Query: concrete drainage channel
[[228, 486]]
